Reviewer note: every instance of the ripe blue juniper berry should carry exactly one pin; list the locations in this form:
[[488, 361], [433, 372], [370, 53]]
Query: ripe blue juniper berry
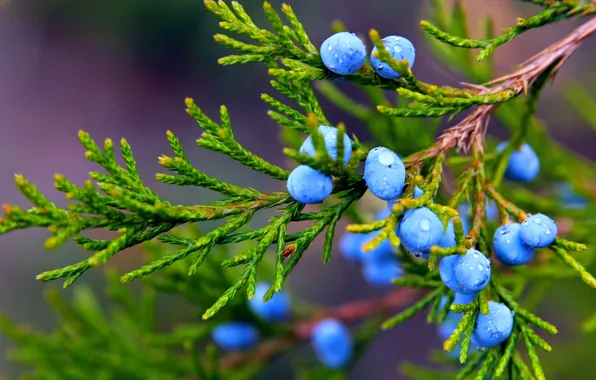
[[399, 48], [235, 336], [333, 343], [343, 53], [523, 164], [445, 196]]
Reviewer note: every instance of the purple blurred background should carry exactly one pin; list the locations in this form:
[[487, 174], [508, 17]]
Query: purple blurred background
[[122, 68]]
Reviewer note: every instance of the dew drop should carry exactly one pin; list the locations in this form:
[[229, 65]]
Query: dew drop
[[480, 267], [547, 232], [380, 67], [475, 255], [537, 220], [330, 47], [425, 225], [341, 61], [504, 232]]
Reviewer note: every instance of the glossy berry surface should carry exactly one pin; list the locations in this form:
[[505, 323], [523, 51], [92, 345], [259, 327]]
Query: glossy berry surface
[[509, 248], [538, 231], [384, 173], [235, 336], [420, 229], [472, 272], [277, 309], [343, 53], [350, 246], [399, 48], [461, 298], [448, 239], [495, 327], [523, 164], [380, 273], [447, 271], [330, 138], [309, 186], [333, 343]]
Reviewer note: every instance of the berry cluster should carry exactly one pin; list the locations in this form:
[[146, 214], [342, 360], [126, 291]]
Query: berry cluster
[[309, 186], [332, 341], [345, 54]]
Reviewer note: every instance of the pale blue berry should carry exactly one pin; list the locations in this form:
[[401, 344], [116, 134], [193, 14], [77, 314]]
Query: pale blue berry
[[417, 194], [448, 239], [447, 271], [462, 299], [538, 231], [235, 336], [420, 229], [472, 272], [330, 138], [523, 164], [569, 197], [343, 53], [380, 273], [308, 186], [333, 343], [277, 309], [382, 252], [446, 328], [384, 173], [495, 327], [509, 248], [350, 246], [399, 48]]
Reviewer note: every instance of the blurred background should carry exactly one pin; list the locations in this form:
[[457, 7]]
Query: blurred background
[[122, 68]]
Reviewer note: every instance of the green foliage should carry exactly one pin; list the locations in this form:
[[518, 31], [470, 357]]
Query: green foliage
[[198, 267]]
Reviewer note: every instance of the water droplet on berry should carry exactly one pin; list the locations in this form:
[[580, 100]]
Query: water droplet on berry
[[475, 255], [341, 61], [386, 158], [537, 220], [480, 267], [380, 67], [547, 232], [425, 225], [397, 49], [330, 47], [508, 241]]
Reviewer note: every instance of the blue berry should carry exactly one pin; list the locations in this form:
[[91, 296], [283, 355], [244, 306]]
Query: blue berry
[[330, 138], [399, 48], [523, 165], [448, 239], [381, 272], [420, 229], [235, 336], [538, 231], [492, 212], [447, 271], [495, 327], [276, 309], [568, 196], [446, 328], [461, 298], [308, 186], [384, 173], [333, 343], [509, 248], [343, 53], [350, 246], [472, 272], [417, 194], [383, 214], [382, 252]]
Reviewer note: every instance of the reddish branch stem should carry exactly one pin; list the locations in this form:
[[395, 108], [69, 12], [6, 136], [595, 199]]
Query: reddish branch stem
[[348, 313]]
